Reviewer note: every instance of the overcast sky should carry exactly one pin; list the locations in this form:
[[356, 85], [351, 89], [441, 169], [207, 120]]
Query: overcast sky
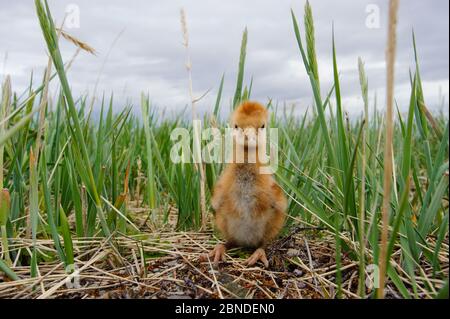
[[148, 55]]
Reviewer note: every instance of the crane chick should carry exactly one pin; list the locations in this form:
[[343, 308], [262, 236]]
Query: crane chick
[[249, 206]]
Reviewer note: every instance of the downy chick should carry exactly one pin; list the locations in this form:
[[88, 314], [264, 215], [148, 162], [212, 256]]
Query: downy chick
[[249, 206]]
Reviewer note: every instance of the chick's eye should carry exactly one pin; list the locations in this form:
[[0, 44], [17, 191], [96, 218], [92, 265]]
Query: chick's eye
[[263, 126], [236, 126]]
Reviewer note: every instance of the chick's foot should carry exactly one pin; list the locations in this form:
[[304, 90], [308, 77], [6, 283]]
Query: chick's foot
[[258, 255], [218, 253]]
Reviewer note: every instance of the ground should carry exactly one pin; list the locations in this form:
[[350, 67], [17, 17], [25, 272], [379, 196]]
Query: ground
[[166, 264], [172, 270]]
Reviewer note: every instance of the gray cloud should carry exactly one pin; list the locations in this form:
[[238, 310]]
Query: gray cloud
[[149, 57]]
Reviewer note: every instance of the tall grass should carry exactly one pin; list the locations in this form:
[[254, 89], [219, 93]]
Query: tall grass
[[329, 195], [85, 174]]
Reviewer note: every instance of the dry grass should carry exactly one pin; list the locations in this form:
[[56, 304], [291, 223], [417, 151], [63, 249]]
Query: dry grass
[[388, 151], [78, 43], [197, 139], [166, 264]]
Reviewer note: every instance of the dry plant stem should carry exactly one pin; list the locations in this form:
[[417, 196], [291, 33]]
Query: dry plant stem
[[78, 43], [200, 165], [388, 170], [53, 289]]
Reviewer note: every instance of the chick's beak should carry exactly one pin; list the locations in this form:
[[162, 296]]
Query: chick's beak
[[250, 134]]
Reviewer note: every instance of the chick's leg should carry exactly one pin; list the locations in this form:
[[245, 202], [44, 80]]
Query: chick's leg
[[258, 255]]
